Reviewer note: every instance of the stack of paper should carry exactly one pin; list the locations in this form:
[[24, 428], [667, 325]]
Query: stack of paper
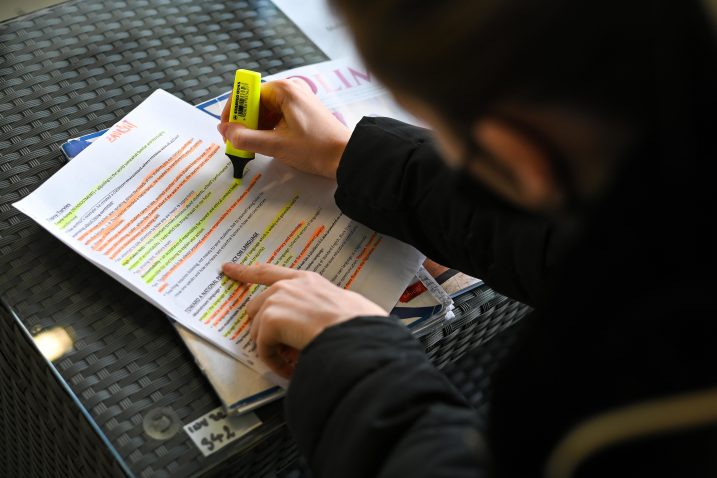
[[154, 204], [174, 260]]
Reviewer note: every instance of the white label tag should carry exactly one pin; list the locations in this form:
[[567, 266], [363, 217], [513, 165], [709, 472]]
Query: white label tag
[[215, 430], [435, 289]]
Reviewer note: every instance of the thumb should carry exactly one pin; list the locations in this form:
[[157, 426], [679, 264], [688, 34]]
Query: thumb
[[259, 141]]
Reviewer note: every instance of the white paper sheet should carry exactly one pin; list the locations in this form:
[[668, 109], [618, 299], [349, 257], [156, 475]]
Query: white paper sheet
[[319, 23], [153, 203], [239, 387]]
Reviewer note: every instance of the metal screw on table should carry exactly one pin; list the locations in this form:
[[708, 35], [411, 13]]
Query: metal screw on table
[[161, 423]]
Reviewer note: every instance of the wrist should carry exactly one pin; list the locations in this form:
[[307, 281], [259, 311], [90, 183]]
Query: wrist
[[337, 149]]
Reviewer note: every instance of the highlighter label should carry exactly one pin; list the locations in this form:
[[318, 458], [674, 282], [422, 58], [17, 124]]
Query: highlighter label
[[241, 99]]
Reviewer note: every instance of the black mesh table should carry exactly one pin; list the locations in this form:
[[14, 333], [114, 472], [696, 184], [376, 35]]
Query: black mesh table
[[74, 69]]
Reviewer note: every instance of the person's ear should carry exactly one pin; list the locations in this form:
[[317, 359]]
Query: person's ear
[[528, 165]]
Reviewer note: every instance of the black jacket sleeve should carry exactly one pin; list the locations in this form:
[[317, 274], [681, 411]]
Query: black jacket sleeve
[[392, 179], [366, 402]]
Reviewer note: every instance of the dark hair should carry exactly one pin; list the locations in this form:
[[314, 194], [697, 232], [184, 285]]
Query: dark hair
[[611, 57]]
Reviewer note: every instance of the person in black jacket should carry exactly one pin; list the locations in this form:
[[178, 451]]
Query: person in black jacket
[[567, 165]]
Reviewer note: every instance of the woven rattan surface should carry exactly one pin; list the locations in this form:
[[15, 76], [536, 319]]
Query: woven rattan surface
[[77, 68]]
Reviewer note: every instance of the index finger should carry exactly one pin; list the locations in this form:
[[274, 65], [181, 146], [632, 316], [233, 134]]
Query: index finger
[[265, 274]]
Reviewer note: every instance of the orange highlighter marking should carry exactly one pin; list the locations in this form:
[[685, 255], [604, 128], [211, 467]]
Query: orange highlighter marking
[[161, 198], [120, 210], [364, 260], [196, 247], [139, 194], [227, 305], [305, 250]]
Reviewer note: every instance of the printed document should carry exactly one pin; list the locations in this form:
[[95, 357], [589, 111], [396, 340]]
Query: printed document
[[153, 203], [318, 22]]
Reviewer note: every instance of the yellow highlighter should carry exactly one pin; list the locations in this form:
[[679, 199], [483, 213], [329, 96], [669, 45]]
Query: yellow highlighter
[[244, 110]]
